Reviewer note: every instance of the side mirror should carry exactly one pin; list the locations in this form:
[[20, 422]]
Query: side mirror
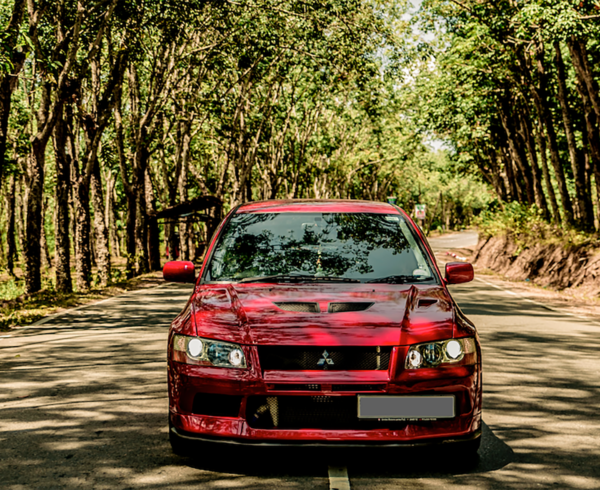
[[179, 271], [459, 272]]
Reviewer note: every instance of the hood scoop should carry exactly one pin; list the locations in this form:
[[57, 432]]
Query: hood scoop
[[299, 307], [353, 306], [424, 303]]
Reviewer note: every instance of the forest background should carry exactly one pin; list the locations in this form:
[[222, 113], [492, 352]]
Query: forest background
[[129, 127]]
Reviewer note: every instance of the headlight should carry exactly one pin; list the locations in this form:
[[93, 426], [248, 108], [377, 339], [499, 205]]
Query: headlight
[[194, 350], [433, 354]]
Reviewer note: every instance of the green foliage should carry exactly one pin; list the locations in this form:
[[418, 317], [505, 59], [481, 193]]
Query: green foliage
[[527, 227]]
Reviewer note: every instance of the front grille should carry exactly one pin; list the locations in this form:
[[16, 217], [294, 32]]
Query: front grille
[[217, 405], [302, 412], [354, 306], [310, 412], [285, 358], [300, 307]]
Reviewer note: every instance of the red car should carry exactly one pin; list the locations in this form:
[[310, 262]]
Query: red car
[[322, 322]]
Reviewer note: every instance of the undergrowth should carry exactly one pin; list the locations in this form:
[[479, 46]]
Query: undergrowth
[[527, 227]]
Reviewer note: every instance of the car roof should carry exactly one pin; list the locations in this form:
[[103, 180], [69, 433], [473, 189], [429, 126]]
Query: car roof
[[318, 206]]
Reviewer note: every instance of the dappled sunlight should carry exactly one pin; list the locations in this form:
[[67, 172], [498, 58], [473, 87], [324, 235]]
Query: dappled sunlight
[[86, 405]]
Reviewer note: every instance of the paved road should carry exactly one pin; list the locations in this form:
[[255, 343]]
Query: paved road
[[463, 239], [83, 405]]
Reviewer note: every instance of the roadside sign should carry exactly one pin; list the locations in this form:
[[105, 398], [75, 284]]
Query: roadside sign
[[420, 210]]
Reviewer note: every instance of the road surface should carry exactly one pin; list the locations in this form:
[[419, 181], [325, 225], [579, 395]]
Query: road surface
[[83, 404]]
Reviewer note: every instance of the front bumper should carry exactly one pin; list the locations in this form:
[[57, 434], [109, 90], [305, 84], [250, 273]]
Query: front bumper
[[200, 438], [186, 382]]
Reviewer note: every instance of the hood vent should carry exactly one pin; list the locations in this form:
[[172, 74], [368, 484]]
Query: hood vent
[[424, 303], [300, 307], [342, 307]]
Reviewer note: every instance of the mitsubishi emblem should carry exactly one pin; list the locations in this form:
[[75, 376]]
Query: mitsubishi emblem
[[325, 360]]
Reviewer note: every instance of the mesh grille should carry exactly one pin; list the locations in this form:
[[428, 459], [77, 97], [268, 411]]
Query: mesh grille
[[324, 358], [310, 412], [298, 412], [341, 307], [299, 307]]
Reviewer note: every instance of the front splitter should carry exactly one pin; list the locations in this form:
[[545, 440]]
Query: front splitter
[[245, 442]]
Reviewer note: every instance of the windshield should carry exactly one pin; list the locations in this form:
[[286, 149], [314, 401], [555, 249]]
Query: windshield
[[319, 246]]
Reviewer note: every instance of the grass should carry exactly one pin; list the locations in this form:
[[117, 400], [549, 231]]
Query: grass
[[19, 309]]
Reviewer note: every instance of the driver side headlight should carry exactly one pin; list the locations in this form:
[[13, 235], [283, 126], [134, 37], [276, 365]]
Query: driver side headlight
[[207, 352], [433, 354]]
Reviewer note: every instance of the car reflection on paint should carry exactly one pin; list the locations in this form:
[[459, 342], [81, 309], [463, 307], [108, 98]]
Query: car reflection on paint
[[322, 322]]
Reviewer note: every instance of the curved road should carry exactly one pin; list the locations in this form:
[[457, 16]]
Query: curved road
[[83, 405]]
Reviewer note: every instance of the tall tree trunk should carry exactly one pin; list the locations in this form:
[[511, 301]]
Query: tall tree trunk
[[11, 251], [185, 228], [100, 231], [33, 207], [45, 258], [516, 150], [584, 72], [542, 106], [83, 259], [8, 81], [593, 135], [109, 218], [153, 230], [541, 141], [584, 202], [142, 264], [62, 251], [527, 136]]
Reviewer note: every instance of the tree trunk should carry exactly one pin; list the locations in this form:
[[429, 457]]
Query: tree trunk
[[83, 259], [583, 69], [62, 250], [542, 105], [153, 230], [109, 217], [516, 150], [526, 135], [11, 251], [182, 188], [593, 136], [102, 248], [584, 202], [142, 265], [45, 253], [8, 81], [130, 236], [33, 208], [541, 141]]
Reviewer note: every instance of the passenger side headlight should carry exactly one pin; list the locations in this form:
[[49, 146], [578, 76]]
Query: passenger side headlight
[[196, 350], [434, 354]]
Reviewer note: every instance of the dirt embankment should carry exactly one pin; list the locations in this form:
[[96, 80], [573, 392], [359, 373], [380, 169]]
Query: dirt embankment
[[543, 264]]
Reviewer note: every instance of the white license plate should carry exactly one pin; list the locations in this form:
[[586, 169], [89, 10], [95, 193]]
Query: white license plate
[[405, 407]]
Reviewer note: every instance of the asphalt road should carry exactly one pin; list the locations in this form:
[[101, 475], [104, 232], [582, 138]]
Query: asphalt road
[[83, 404]]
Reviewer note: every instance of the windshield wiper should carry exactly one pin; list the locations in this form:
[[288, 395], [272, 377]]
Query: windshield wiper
[[298, 278], [400, 279]]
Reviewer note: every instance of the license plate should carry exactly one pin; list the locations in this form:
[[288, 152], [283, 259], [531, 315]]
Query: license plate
[[405, 407]]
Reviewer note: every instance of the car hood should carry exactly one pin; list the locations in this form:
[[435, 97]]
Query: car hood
[[248, 314]]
